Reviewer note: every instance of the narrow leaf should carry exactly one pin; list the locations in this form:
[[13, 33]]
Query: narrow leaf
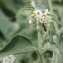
[[55, 18]]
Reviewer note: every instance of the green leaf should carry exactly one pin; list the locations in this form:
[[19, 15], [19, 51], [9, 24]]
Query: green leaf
[[21, 10], [44, 36], [52, 47], [5, 24], [55, 18], [28, 8], [18, 45], [61, 30], [56, 23], [61, 37], [55, 39]]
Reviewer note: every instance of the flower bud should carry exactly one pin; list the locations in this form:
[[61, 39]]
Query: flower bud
[[38, 27], [30, 22]]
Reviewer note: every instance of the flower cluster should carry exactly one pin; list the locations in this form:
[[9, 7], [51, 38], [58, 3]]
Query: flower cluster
[[9, 59], [39, 15]]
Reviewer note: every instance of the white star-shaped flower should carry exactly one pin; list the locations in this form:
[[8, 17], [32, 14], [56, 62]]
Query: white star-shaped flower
[[9, 59], [40, 16], [45, 18]]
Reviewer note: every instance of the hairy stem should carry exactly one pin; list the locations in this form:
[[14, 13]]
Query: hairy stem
[[41, 58], [39, 42], [55, 56], [50, 6], [39, 38]]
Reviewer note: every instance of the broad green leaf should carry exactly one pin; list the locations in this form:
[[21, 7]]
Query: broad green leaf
[[52, 47], [18, 45]]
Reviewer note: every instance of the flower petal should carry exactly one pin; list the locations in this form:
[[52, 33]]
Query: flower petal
[[30, 21], [46, 11], [33, 4], [38, 11]]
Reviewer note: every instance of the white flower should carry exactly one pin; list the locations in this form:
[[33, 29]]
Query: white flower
[[36, 14], [33, 4], [45, 18], [12, 58], [38, 27], [41, 17], [9, 59], [5, 60], [30, 21]]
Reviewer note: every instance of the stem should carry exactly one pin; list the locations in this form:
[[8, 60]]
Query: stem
[[50, 6], [41, 58], [39, 42], [39, 39], [53, 59], [55, 56]]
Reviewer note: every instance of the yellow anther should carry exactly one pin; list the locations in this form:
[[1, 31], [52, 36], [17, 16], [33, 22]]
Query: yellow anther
[[43, 16], [32, 15], [45, 24], [51, 21]]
